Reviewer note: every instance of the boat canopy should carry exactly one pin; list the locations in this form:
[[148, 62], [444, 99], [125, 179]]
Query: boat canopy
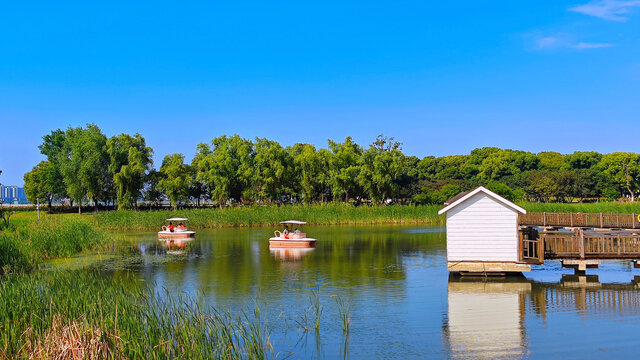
[[177, 219], [293, 222]]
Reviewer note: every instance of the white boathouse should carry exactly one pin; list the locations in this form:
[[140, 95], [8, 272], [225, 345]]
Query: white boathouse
[[482, 233]]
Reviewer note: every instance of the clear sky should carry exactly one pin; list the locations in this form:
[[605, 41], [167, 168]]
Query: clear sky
[[443, 77]]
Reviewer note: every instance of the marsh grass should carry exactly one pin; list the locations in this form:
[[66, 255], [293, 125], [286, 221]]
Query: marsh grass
[[317, 309], [344, 313], [30, 243], [248, 216], [48, 314]]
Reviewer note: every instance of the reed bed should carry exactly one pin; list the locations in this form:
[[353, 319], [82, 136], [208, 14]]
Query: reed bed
[[249, 216], [30, 243], [74, 315]]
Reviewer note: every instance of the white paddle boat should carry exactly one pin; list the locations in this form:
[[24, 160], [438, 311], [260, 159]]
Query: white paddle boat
[[172, 231], [291, 239]]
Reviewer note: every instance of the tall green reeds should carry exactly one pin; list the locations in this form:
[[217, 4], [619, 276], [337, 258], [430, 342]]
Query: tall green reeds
[[125, 318], [29, 244], [327, 214]]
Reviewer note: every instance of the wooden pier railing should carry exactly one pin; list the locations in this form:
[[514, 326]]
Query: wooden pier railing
[[590, 220], [581, 245]]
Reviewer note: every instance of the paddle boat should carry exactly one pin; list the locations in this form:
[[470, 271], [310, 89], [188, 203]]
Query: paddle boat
[[176, 232], [295, 238]]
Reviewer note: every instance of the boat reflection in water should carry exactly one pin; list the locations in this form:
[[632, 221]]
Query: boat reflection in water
[[290, 254], [176, 246], [487, 317]]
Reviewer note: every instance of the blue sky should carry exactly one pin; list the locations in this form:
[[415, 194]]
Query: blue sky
[[442, 77]]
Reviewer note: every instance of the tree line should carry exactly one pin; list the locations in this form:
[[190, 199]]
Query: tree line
[[85, 165]]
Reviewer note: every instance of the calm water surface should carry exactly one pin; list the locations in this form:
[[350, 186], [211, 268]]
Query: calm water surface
[[403, 303]]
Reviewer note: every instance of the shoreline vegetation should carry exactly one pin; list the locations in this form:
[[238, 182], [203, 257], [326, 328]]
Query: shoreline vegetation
[[30, 242], [83, 315], [84, 166]]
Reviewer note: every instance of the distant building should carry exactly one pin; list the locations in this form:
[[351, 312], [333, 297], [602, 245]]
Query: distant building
[[12, 194]]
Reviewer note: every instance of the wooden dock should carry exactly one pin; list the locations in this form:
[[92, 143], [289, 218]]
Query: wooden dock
[[586, 237]]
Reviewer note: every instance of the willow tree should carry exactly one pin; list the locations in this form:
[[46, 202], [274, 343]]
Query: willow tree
[[130, 160], [344, 168], [84, 164], [226, 167], [175, 178]]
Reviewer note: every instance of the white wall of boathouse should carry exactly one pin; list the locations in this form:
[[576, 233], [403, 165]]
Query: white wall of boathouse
[[482, 228]]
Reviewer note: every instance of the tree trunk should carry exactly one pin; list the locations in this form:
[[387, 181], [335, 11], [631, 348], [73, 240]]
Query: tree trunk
[[79, 207]]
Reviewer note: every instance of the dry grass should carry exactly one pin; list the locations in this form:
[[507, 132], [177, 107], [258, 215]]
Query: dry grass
[[70, 341]]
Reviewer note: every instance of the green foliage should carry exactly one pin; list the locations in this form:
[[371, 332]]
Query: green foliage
[[624, 169], [130, 160], [344, 168], [176, 178], [226, 167], [82, 163]]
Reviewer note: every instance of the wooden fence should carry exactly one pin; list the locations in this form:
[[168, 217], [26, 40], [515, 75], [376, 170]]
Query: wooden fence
[[581, 245], [590, 220]]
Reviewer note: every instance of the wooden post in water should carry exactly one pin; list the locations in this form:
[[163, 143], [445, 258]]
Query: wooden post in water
[[580, 238], [601, 221]]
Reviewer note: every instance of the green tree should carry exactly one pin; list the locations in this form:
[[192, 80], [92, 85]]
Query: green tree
[[310, 169], [151, 191], [379, 173], [583, 159], [38, 185], [344, 168], [226, 167], [273, 167], [84, 164], [130, 159], [53, 147], [176, 178], [552, 161], [624, 169]]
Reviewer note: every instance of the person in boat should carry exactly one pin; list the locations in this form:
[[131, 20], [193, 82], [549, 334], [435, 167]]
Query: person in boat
[[171, 228], [285, 232], [297, 231], [181, 226]]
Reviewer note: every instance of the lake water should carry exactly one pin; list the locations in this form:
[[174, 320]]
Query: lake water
[[403, 303]]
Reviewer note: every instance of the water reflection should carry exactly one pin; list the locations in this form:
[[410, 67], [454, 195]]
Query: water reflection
[[487, 318], [290, 254], [176, 246]]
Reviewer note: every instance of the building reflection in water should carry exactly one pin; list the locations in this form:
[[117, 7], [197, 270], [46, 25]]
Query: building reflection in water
[[486, 317]]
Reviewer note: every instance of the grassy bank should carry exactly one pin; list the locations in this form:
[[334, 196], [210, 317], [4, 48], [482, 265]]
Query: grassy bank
[[31, 242], [75, 315], [601, 207], [328, 214]]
